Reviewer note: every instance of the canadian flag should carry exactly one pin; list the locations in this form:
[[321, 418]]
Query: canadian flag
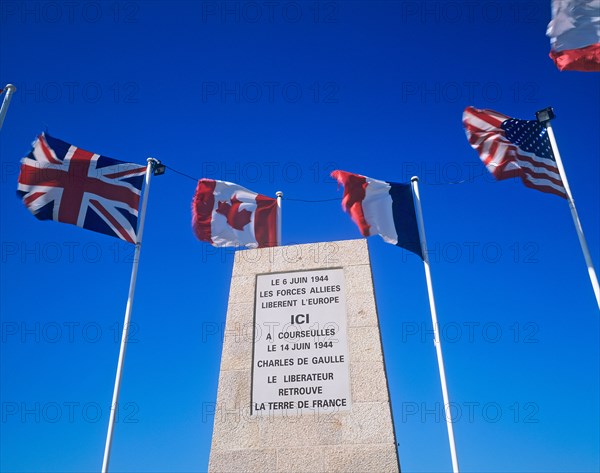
[[226, 214]]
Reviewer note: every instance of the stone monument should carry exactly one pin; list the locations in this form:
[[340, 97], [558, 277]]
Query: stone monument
[[302, 386]]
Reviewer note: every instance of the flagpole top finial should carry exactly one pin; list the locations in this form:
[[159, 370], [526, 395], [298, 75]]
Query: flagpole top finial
[[10, 87], [279, 194], [414, 179]]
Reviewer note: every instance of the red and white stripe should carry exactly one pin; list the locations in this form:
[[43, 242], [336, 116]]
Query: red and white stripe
[[505, 159], [574, 33], [75, 184], [226, 214], [369, 203]]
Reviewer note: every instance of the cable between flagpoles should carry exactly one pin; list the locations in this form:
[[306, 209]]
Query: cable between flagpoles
[[449, 183]]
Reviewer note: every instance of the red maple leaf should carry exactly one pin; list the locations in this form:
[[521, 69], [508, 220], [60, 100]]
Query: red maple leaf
[[236, 218]]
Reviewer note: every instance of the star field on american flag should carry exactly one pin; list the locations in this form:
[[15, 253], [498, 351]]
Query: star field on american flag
[[530, 136]]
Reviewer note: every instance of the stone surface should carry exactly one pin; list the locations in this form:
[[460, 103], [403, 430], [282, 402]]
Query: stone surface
[[368, 382], [360, 458], [361, 439], [364, 344], [300, 460], [245, 460], [361, 309]]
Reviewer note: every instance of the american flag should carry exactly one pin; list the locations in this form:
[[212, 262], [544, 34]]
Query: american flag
[[514, 148], [62, 182]]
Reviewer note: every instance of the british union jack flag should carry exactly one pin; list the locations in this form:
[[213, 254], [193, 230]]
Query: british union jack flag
[[61, 182]]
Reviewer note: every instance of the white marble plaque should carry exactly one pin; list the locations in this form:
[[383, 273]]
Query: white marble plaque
[[300, 361]]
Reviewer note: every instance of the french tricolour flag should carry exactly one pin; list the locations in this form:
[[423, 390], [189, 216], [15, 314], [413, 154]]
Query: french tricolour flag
[[574, 33], [226, 214], [379, 207]]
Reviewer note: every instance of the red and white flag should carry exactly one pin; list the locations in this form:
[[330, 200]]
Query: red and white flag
[[59, 181], [225, 214], [574, 33], [383, 208]]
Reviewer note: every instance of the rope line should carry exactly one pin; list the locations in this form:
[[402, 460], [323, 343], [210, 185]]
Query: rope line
[[181, 173], [306, 200], [450, 183]]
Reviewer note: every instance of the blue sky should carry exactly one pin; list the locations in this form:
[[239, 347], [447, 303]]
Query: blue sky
[[273, 96]]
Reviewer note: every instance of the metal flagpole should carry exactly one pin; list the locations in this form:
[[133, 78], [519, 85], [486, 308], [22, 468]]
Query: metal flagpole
[[279, 195], [544, 117], [136, 259], [10, 89], [436, 336]]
